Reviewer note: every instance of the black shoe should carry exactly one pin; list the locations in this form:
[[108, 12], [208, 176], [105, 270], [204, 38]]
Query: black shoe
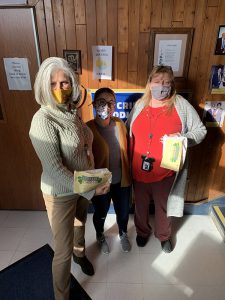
[[85, 265], [167, 246], [141, 241]]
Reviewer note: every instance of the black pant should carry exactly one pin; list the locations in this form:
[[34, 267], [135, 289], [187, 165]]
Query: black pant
[[120, 197]]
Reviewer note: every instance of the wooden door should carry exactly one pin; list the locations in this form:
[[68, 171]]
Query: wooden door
[[19, 167]]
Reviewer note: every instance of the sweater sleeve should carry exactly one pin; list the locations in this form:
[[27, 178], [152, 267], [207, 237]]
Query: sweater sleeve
[[193, 127], [44, 138]]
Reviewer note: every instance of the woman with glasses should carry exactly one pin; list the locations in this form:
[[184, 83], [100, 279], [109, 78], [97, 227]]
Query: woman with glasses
[[110, 151], [159, 112]]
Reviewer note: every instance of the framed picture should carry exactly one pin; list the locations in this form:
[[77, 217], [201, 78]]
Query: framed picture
[[171, 47], [217, 79], [74, 59], [220, 41], [214, 112]]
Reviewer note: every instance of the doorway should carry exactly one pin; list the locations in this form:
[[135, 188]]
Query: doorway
[[20, 169]]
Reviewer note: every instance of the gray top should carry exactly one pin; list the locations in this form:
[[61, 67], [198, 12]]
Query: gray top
[[111, 136], [195, 131], [61, 140]]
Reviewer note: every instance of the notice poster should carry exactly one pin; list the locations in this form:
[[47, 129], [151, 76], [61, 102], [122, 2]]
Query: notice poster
[[169, 53], [17, 73], [102, 62]]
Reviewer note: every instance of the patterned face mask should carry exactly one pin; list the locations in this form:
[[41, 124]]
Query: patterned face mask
[[160, 92], [104, 109]]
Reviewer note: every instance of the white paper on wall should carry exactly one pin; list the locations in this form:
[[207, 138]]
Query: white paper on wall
[[17, 73], [102, 62]]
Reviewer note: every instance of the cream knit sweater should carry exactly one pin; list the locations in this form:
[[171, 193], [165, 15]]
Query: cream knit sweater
[[59, 139]]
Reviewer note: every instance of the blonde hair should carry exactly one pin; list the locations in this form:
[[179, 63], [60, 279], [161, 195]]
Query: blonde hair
[[146, 98], [42, 85]]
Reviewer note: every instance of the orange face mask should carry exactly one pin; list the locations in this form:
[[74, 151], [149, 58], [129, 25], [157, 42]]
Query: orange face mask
[[61, 96]]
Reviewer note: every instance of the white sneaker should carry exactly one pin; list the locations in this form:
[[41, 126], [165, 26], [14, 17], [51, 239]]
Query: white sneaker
[[125, 244], [103, 244]]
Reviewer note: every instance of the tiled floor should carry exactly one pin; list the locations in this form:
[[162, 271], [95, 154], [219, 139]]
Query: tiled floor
[[194, 270]]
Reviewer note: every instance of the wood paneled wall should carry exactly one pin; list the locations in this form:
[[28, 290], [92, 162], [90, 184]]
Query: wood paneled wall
[[126, 25]]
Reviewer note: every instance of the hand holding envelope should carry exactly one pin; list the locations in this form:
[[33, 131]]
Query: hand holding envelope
[[174, 152], [97, 179]]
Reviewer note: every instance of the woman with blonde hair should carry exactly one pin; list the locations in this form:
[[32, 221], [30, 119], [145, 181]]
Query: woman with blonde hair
[[159, 112], [63, 144]]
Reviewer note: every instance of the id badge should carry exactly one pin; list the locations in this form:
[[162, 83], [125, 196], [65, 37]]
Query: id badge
[[147, 163]]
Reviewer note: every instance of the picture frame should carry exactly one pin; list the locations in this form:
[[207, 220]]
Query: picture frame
[[171, 47], [73, 57], [220, 41], [217, 79], [214, 113]]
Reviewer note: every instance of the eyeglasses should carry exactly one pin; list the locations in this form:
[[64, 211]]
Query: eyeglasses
[[103, 102]]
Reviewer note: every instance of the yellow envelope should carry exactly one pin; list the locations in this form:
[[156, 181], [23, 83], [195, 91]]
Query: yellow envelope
[[85, 181], [173, 152]]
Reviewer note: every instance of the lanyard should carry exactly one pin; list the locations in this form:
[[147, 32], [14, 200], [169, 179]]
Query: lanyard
[[150, 117]]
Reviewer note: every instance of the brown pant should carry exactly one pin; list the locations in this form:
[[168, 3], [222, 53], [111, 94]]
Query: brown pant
[[158, 192], [67, 217]]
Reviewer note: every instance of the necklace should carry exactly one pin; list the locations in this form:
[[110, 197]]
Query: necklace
[[147, 160], [152, 116]]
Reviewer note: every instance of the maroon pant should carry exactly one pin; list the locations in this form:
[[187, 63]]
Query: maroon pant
[[158, 192]]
